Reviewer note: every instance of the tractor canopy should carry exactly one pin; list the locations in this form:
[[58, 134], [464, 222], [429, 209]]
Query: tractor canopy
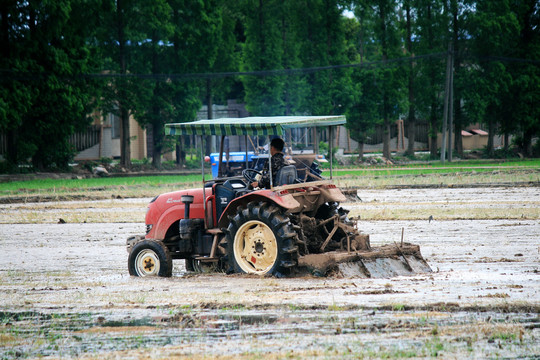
[[252, 126], [263, 125]]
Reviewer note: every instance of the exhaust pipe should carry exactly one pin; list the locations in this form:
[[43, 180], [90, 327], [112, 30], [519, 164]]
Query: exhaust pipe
[[186, 224], [187, 200]]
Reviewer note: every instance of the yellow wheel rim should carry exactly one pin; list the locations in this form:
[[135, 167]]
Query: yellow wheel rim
[[147, 263], [255, 247]]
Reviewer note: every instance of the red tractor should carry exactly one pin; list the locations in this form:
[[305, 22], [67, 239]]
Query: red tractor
[[226, 226]]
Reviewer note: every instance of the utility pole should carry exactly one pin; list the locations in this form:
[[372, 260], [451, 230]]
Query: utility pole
[[446, 100], [451, 106]]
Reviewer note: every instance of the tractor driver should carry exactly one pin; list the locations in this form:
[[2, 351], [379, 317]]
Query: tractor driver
[[278, 161]]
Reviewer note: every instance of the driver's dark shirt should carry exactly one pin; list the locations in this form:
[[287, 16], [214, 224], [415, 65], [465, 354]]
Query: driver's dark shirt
[[278, 161]]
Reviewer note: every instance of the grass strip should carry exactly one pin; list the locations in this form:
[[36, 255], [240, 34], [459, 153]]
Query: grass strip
[[90, 183]]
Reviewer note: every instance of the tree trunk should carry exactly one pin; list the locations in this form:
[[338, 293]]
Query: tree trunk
[[315, 140], [158, 132], [177, 153], [458, 126], [12, 139], [411, 121], [289, 142], [11, 155], [386, 139], [385, 114], [210, 109], [491, 134], [180, 153], [411, 131], [125, 151], [456, 104], [527, 142], [458, 139], [360, 151], [433, 131], [156, 153], [157, 138], [433, 103]]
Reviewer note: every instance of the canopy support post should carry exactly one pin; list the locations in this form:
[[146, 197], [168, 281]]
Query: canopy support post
[[270, 164], [220, 164], [330, 143], [203, 185], [246, 140]]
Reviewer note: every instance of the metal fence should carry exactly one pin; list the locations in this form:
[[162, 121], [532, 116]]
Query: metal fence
[[86, 139], [421, 133]]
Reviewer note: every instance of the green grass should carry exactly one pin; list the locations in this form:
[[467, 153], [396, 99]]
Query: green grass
[[438, 167], [62, 184], [390, 172], [477, 163]]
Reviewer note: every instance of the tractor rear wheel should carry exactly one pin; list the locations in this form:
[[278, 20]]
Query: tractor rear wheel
[[261, 240], [150, 258]]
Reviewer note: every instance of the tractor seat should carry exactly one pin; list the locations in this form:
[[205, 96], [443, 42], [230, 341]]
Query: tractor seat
[[286, 175]]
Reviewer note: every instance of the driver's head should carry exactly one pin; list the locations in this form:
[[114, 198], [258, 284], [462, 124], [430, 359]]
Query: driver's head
[[277, 144]]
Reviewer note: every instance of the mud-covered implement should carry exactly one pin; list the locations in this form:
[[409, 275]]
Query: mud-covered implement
[[296, 226], [378, 262]]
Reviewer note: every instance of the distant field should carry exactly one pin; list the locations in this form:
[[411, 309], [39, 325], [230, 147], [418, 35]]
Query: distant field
[[456, 173]]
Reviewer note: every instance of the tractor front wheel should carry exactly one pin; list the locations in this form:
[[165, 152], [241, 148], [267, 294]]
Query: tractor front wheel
[[261, 240], [150, 258]]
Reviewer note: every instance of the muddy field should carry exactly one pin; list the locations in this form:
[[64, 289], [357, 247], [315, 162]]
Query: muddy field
[[66, 291]]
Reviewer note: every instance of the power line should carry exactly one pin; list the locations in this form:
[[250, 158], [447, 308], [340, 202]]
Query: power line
[[262, 73], [506, 59], [13, 75]]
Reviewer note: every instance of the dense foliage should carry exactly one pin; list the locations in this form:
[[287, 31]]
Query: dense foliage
[[158, 60]]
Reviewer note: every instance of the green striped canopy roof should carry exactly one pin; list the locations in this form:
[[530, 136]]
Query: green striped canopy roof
[[271, 125]]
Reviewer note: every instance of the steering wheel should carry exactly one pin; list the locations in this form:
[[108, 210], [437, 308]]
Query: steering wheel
[[250, 174]]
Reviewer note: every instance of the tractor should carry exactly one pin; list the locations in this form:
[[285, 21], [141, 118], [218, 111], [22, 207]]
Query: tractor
[[296, 226]]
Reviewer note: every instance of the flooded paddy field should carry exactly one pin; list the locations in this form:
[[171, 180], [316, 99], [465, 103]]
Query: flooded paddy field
[[66, 292]]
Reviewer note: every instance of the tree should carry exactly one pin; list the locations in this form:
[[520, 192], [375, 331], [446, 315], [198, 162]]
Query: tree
[[198, 47], [411, 77], [45, 100], [218, 53], [321, 34], [15, 94], [389, 79], [362, 113], [322, 29], [118, 34], [492, 27], [294, 86], [431, 37], [263, 50], [154, 105], [522, 110]]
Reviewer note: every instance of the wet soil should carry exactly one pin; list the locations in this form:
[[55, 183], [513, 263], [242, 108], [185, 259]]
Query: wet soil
[[66, 291]]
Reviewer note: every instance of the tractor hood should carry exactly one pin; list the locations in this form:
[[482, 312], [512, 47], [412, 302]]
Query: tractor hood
[[168, 208]]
